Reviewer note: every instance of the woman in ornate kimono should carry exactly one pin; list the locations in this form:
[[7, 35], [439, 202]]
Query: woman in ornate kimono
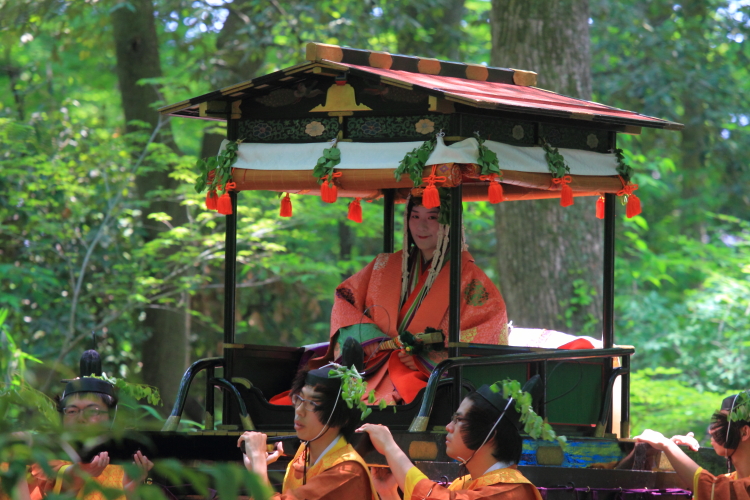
[[326, 466], [407, 292], [484, 436], [730, 438]]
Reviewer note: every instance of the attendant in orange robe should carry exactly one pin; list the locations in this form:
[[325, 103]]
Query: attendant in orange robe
[[408, 291], [484, 436], [326, 466], [730, 438], [86, 402]]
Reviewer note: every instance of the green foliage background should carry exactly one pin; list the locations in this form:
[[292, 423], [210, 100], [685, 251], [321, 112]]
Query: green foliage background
[[72, 251]]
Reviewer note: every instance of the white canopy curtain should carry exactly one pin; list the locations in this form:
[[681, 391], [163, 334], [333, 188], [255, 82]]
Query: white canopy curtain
[[387, 155]]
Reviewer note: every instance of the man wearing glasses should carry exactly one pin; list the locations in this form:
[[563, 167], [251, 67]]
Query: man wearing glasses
[[87, 402], [326, 466]]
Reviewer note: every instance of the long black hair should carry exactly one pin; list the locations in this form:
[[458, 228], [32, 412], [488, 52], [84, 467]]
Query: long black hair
[[506, 441]]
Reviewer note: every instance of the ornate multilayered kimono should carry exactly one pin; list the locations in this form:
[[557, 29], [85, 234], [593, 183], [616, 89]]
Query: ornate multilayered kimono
[[339, 474], [40, 485], [500, 484], [706, 486], [376, 305]]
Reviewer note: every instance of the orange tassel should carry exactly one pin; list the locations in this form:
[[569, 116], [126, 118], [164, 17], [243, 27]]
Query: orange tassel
[[211, 200], [286, 207], [495, 193], [430, 197], [329, 193], [224, 203], [355, 211], [566, 192], [633, 207], [325, 192], [566, 196], [600, 208]]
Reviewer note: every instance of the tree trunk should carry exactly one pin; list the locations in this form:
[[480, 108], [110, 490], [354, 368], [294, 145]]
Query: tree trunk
[[694, 145], [165, 354], [549, 257]]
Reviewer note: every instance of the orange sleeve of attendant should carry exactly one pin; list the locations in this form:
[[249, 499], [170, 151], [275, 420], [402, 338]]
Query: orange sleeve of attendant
[[501, 491], [706, 486], [39, 483], [341, 482]]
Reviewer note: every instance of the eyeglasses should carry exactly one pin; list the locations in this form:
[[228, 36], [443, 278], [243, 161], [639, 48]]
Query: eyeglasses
[[458, 419], [88, 413], [306, 404]]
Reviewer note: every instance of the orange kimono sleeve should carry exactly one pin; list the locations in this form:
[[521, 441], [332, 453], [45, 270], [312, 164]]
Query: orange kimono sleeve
[[426, 489], [345, 480], [40, 484], [706, 486]]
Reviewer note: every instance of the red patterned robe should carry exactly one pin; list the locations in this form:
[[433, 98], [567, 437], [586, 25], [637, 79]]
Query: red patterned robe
[[378, 287]]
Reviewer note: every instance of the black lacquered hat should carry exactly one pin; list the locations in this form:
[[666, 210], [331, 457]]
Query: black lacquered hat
[[90, 364]]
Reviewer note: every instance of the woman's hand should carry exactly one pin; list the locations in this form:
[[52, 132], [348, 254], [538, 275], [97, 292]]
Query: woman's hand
[[380, 436], [407, 359], [688, 441], [655, 439]]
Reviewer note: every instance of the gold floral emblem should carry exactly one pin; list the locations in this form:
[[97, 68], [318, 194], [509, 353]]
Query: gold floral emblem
[[425, 126], [314, 129], [592, 141], [518, 132]]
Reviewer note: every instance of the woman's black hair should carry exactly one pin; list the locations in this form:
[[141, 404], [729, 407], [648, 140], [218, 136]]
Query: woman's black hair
[[506, 441], [344, 418], [726, 435]]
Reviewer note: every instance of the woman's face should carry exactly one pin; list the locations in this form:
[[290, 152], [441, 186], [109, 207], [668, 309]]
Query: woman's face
[[454, 441], [423, 226], [84, 410]]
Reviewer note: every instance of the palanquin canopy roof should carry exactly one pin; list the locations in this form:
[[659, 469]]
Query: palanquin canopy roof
[[380, 106]]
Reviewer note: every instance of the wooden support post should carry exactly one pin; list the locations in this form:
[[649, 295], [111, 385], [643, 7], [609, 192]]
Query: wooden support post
[[454, 307]]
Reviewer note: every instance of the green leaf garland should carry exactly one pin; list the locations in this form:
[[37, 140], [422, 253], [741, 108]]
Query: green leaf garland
[[534, 425], [326, 163], [741, 410], [353, 388], [625, 170], [487, 160], [135, 391], [555, 161], [220, 164], [414, 162]]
